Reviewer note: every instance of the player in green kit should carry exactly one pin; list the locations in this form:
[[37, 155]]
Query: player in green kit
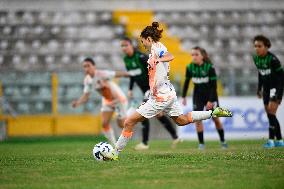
[[270, 86], [203, 75], [136, 61]]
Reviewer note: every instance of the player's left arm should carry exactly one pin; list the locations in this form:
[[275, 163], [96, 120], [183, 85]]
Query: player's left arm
[[163, 55], [83, 99], [166, 57], [121, 74], [277, 67], [107, 74], [212, 86]]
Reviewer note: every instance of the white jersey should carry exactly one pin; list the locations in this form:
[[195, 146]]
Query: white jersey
[[160, 87], [102, 83]]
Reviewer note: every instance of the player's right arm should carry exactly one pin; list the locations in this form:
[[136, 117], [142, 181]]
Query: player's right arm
[[83, 99], [279, 71], [87, 91], [111, 74], [259, 87], [131, 84], [186, 84]]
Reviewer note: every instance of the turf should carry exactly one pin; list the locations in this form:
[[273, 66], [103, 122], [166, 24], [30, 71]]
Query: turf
[[68, 163]]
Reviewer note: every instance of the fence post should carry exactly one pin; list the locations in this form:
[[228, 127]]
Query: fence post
[[54, 101], [3, 130]]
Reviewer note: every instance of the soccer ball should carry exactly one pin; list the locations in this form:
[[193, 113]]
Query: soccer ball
[[100, 150]]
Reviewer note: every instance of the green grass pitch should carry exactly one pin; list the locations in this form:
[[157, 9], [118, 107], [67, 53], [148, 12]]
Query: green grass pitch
[[68, 163]]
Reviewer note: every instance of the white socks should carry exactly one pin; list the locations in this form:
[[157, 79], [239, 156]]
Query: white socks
[[123, 140], [199, 115], [109, 134]]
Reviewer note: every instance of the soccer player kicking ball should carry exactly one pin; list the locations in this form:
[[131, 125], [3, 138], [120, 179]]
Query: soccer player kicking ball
[[162, 93], [135, 60], [113, 97]]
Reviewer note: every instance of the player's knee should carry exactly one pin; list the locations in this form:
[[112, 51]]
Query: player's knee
[[271, 111], [105, 124], [217, 122], [128, 124], [198, 123], [120, 123], [180, 122]]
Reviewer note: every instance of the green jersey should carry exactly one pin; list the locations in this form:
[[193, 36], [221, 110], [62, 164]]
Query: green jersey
[[270, 71], [138, 61], [204, 78]]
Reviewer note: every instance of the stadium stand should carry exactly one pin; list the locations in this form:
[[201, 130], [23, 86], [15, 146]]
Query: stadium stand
[[45, 41]]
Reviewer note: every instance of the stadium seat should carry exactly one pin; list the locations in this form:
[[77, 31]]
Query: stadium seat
[[3, 44], [44, 92], [66, 59], [51, 39], [1, 59], [16, 59], [26, 91], [49, 59], [52, 46], [33, 59], [36, 44], [90, 17], [23, 107], [73, 92], [7, 30], [39, 106], [27, 18]]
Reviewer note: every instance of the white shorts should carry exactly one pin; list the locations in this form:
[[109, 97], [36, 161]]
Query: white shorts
[[119, 108], [151, 108]]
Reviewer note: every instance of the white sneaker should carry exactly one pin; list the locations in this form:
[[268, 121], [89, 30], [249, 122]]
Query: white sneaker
[[141, 146], [175, 142]]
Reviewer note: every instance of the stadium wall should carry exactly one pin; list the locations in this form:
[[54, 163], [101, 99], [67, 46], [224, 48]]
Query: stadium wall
[[49, 125]]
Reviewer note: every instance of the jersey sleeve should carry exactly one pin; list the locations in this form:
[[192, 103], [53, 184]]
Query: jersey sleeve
[[143, 58], [260, 83], [275, 64], [212, 84], [87, 84], [160, 50], [187, 80], [144, 61], [106, 74], [131, 83], [278, 69]]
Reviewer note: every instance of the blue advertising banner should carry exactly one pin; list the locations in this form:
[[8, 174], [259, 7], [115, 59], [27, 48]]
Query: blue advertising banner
[[249, 120]]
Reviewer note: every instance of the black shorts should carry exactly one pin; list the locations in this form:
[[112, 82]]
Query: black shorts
[[200, 101], [273, 94]]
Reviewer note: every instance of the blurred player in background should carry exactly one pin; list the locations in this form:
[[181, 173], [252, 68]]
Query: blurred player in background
[[113, 99], [162, 93], [204, 77], [136, 61], [270, 86]]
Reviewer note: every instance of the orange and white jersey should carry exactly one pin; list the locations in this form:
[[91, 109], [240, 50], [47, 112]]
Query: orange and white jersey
[[160, 86], [102, 83]]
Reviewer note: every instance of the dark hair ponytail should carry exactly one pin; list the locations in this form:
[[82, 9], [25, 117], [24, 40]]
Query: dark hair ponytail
[[152, 31], [203, 53]]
